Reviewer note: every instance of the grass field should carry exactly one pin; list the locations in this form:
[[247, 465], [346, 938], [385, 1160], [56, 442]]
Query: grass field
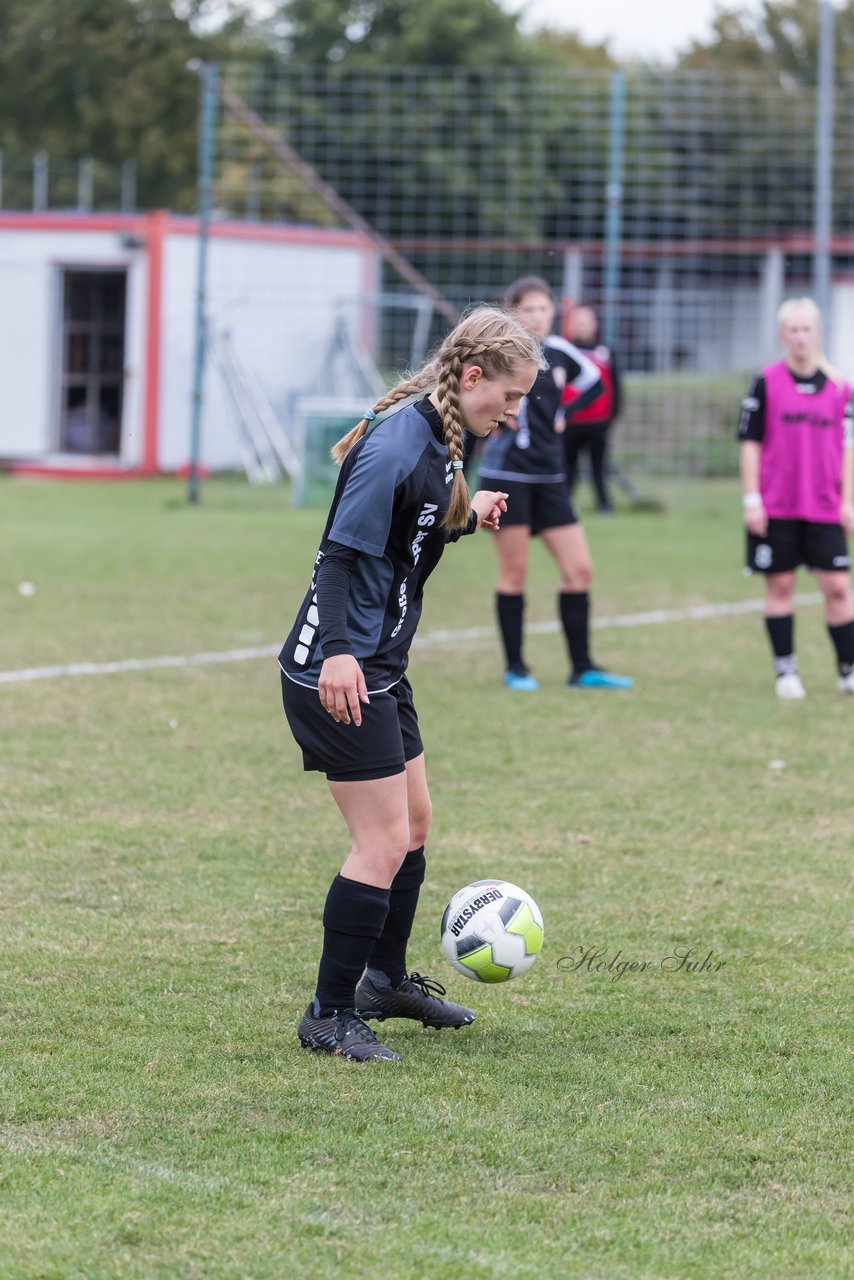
[[164, 862]]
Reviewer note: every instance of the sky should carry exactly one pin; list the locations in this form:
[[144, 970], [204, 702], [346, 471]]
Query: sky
[[652, 29]]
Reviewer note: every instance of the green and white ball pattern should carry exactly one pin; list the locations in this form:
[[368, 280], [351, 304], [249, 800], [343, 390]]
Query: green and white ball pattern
[[492, 931]]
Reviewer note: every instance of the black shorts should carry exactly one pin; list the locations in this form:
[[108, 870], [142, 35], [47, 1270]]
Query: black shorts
[[790, 543], [542, 504], [377, 748]]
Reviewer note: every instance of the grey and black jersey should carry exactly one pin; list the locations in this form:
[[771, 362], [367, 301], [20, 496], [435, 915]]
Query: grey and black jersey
[[534, 452], [391, 498]]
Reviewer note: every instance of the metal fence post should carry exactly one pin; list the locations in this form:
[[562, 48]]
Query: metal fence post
[[207, 132], [614, 206], [128, 194], [85, 185], [40, 181], [823, 194]]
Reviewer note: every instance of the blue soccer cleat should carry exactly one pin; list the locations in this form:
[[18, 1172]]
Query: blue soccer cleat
[[521, 680], [595, 678]]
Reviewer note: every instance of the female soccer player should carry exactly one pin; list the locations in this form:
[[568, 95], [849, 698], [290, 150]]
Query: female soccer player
[[797, 469], [588, 428], [400, 497], [526, 458]]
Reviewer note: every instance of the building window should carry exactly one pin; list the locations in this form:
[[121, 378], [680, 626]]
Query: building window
[[93, 361]]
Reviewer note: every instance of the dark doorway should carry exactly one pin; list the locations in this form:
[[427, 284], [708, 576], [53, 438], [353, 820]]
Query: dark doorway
[[93, 361]]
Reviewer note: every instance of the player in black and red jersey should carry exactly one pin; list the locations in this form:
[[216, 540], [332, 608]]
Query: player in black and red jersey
[[588, 426]]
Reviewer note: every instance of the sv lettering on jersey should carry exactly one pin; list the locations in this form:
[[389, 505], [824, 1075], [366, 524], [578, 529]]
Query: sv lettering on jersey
[[426, 520]]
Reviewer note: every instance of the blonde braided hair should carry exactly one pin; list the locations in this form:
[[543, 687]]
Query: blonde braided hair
[[486, 336]]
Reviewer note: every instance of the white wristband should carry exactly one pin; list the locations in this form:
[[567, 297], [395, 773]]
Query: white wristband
[[751, 500]]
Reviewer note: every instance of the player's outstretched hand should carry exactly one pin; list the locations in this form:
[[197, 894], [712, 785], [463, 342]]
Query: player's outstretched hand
[[489, 505], [342, 688], [756, 519]]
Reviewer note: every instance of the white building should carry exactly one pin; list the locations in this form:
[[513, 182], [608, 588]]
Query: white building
[[97, 332]]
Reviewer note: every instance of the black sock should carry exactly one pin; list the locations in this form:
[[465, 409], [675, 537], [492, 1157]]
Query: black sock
[[389, 950], [781, 633], [353, 919], [843, 642], [511, 614], [574, 608]]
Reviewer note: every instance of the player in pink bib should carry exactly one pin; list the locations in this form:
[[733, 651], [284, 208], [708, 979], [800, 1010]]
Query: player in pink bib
[[797, 467]]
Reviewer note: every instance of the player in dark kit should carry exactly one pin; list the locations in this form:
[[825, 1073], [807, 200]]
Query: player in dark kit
[[797, 467], [401, 496], [526, 460], [588, 427]]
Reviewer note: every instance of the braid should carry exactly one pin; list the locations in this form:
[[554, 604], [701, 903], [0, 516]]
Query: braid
[[469, 351], [448, 394], [421, 381], [486, 336]]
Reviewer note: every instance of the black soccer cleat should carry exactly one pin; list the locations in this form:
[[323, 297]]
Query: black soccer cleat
[[344, 1034], [416, 997]]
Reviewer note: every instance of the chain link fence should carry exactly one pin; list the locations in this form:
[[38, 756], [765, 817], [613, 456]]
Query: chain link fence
[[680, 206]]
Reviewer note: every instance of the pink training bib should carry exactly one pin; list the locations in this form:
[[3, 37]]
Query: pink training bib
[[800, 473]]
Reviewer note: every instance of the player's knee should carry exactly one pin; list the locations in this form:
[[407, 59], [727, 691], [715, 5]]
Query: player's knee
[[513, 573], [420, 817], [381, 852], [838, 593], [780, 587], [392, 861], [579, 577]]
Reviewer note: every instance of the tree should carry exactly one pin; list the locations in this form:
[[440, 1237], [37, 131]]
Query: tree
[[108, 79], [568, 49], [771, 59], [478, 33], [781, 40]]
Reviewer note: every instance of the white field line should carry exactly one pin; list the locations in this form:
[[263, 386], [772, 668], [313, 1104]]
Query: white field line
[[655, 617], [24, 1143]]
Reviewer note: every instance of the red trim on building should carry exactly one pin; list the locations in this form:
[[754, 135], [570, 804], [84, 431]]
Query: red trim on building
[[270, 233], [793, 242], [796, 242], [155, 231], [58, 471], [139, 224], [124, 222]]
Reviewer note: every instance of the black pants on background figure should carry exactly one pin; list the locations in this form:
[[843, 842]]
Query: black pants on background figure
[[592, 437]]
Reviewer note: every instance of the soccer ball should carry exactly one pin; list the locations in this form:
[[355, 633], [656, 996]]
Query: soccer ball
[[492, 931]]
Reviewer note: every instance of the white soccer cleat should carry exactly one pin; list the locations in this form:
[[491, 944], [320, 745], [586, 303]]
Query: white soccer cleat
[[790, 687], [845, 684]]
